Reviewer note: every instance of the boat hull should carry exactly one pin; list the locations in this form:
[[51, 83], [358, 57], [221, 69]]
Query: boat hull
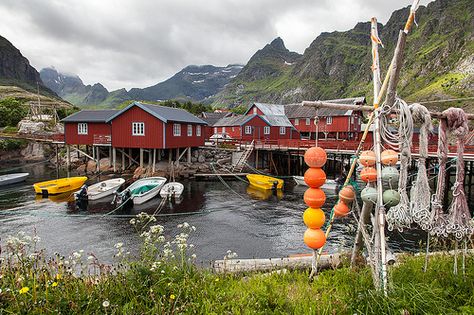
[[265, 182], [172, 189], [329, 185], [104, 189], [138, 199], [59, 186], [13, 178]]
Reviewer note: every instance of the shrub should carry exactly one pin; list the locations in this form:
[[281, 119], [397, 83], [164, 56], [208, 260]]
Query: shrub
[[11, 112]]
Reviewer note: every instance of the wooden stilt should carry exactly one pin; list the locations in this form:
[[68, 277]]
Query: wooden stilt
[[141, 158], [57, 161], [129, 157], [177, 156], [123, 159], [68, 157], [110, 155], [114, 157], [150, 158], [154, 161], [98, 159], [189, 154], [256, 159]]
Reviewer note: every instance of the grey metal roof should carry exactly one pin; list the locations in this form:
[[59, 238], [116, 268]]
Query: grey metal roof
[[237, 120], [212, 117], [91, 116], [164, 113], [277, 120], [269, 109], [299, 111]]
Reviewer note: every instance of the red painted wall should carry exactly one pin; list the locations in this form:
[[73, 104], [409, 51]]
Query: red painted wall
[[258, 125], [339, 124], [153, 138], [70, 131], [250, 112]]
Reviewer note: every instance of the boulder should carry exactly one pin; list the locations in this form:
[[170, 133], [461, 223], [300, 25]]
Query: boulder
[[28, 126], [201, 159], [91, 166], [33, 151]]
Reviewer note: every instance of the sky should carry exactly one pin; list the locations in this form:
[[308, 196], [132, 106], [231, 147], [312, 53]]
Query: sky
[[138, 43]]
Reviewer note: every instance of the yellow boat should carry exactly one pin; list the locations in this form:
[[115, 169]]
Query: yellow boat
[[264, 181], [263, 194], [59, 186]]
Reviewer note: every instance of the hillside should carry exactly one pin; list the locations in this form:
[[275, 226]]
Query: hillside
[[439, 61], [193, 83]]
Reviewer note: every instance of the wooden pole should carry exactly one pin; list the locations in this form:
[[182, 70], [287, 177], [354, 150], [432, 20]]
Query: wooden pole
[[141, 158], [129, 157], [154, 161], [114, 158], [189, 154], [98, 159], [177, 156], [57, 161], [68, 157], [123, 159]]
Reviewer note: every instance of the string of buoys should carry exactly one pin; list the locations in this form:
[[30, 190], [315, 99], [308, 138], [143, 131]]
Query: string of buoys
[[314, 197]]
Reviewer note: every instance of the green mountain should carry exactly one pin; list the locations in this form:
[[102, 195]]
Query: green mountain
[[439, 61]]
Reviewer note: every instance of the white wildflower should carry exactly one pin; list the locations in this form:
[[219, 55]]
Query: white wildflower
[[106, 303], [118, 245]]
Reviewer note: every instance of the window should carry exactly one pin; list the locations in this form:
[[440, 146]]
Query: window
[[266, 130], [215, 129], [233, 128], [297, 122], [82, 128], [282, 130], [223, 129], [248, 130], [352, 119], [255, 110], [190, 130], [308, 121], [138, 128], [329, 120], [177, 130], [198, 130]]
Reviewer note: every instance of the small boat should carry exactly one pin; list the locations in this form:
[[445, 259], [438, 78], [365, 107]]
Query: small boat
[[13, 178], [330, 184], [264, 181], [263, 194], [171, 190], [143, 190], [100, 190], [59, 186]]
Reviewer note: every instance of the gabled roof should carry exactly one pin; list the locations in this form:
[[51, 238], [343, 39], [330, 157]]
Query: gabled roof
[[277, 120], [298, 111], [163, 113], [237, 120], [268, 109], [91, 116], [212, 117]]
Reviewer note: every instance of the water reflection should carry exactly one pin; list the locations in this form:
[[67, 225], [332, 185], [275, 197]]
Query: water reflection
[[263, 194]]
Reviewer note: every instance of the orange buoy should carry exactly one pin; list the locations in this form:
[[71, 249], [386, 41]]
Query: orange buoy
[[347, 194], [314, 218], [314, 197], [315, 177], [368, 174], [314, 238], [341, 209], [389, 157], [315, 157], [367, 158]]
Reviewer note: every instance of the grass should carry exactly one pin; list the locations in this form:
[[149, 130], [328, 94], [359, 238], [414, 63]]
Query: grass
[[164, 280]]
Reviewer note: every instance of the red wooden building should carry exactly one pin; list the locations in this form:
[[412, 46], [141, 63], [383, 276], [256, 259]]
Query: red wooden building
[[329, 123], [141, 125], [88, 127], [211, 118]]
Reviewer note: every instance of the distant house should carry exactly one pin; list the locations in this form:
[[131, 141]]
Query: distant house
[[328, 123], [275, 115], [141, 125], [88, 127], [211, 118]]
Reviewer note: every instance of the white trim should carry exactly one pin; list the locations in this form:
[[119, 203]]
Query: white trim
[[198, 130], [177, 130], [190, 130], [329, 120], [308, 121], [138, 128], [297, 121], [282, 130], [82, 128], [248, 130], [266, 130]]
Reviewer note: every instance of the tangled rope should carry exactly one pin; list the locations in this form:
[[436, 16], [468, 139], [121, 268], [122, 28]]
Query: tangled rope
[[405, 130], [399, 216], [420, 193], [457, 221]]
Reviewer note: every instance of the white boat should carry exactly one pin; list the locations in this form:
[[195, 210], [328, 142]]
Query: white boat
[[329, 185], [101, 190], [13, 178], [171, 189], [144, 189]]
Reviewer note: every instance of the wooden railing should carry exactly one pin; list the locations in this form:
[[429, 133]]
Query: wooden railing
[[102, 139]]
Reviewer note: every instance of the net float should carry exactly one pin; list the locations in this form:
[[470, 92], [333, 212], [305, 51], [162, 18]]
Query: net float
[[390, 175], [341, 209], [347, 194], [367, 158], [315, 157], [368, 174], [314, 238], [369, 194], [314, 218], [389, 157], [315, 177], [391, 198], [314, 197]]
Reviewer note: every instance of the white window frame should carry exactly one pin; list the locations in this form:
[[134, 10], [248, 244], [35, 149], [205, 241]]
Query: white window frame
[[233, 128], [198, 130], [82, 128], [248, 130], [297, 121], [266, 130], [177, 130], [223, 129], [138, 128], [255, 110], [190, 130], [282, 130], [329, 120], [308, 121], [215, 129]]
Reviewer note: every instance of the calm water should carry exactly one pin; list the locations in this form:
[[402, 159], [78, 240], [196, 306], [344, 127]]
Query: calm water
[[237, 218]]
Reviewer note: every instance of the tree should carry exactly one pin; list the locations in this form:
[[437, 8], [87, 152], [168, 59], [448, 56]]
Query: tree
[[11, 112]]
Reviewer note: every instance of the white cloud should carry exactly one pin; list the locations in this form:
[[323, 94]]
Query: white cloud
[[129, 43]]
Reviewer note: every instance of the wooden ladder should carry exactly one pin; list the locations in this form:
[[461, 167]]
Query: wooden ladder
[[243, 158]]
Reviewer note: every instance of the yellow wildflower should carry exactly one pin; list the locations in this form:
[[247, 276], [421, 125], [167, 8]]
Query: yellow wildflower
[[24, 290], [58, 276], [217, 280], [55, 284], [172, 296]]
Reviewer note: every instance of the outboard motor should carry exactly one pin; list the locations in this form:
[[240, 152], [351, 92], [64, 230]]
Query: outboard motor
[[275, 185], [121, 197], [81, 198]]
